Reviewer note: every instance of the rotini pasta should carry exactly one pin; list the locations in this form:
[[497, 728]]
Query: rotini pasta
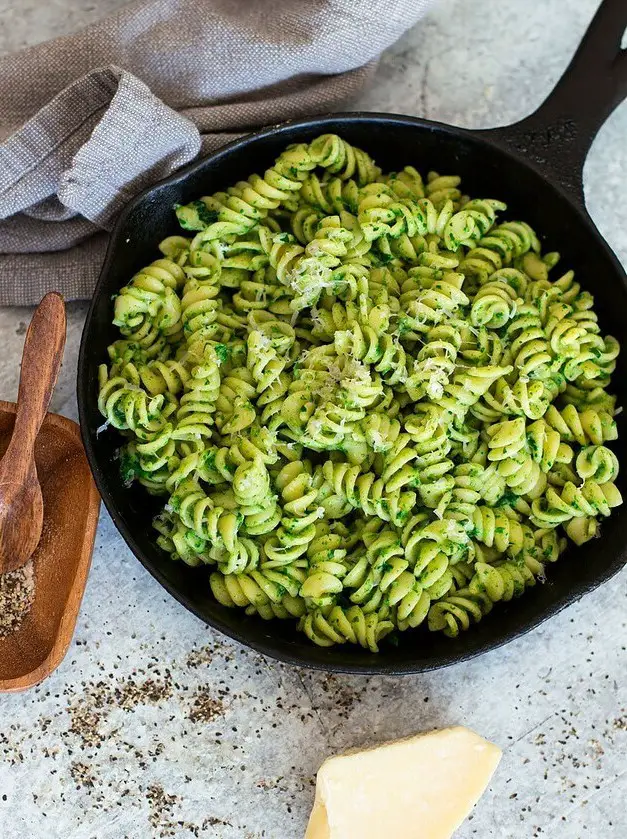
[[364, 399]]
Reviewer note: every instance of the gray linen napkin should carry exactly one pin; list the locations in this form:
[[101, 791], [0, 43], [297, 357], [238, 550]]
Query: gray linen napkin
[[82, 135]]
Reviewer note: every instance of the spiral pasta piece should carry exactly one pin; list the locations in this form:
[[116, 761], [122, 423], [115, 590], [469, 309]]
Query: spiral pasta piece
[[494, 528], [442, 188], [529, 398], [374, 576], [128, 407], [246, 204], [583, 427], [582, 529], [150, 461], [546, 447], [252, 495], [440, 299], [367, 493], [151, 296], [382, 215], [455, 612], [306, 271], [384, 353], [510, 240], [198, 402], [591, 499], [327, 569], [330, 196], [210, 523], [597, 463], [468, 386], [501, 581], [269, 343], [341, 625], [342, 159], [435, 363], [529, 345], [468, 225], [299, 515], [508, 445], [270, 594], [494, 304]]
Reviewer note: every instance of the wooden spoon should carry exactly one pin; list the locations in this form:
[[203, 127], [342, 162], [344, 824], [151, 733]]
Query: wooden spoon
[[21, 503]]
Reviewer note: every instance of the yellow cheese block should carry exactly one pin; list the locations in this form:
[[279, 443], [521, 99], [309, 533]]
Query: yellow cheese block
[[419, 788]]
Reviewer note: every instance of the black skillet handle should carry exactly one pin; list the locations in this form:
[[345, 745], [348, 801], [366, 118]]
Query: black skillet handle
[[558, 136]]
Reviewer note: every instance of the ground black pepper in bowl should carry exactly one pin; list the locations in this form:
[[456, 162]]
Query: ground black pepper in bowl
[[17, 593]]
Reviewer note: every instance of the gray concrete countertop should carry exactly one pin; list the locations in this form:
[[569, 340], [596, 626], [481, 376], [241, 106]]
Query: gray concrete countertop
[[156, 726]]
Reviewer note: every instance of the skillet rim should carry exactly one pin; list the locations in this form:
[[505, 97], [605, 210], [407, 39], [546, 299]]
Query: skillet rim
[[274, 647]]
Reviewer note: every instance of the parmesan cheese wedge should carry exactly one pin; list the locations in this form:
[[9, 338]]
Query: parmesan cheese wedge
[[419, 788]]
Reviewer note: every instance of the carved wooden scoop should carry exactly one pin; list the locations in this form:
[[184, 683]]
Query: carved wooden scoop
[[21, 504]]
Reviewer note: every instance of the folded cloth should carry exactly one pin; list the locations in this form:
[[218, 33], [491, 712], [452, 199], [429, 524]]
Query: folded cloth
[[91, 119]]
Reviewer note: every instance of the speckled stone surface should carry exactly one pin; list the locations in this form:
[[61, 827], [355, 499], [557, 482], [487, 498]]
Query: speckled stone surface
[[156, 726]]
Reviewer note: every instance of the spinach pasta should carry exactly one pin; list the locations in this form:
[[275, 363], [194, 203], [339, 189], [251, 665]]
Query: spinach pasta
[[369, 402]]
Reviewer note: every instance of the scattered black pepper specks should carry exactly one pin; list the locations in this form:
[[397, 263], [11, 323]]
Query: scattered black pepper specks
[[82, 775], [205, 708]]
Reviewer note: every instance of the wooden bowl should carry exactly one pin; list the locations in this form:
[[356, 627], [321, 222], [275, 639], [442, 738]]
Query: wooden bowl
[[63, 556]]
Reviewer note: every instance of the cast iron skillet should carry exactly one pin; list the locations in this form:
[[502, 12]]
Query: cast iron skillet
[[536, 166]]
